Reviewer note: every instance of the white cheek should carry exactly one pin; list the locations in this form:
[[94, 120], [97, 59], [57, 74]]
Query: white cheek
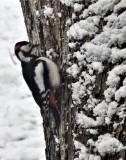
[[39, 77], [26, 48]]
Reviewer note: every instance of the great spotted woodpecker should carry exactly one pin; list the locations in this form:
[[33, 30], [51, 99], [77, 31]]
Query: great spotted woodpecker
[[41, 76]]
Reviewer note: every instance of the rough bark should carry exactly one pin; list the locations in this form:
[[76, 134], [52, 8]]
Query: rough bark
[[51, 33], [52, 36]]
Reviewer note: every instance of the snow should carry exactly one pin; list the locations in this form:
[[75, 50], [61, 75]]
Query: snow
[[74, 16], [101, 109], [87, 122], [59, 15], [96, 52], [112, 109], [72, 45], [120, 93], [37, 13], [78, 7], [101, 7], [67, 2], [79, 56], [73, 70], [120, 6], [48, 12], [106, 144], [117, 54], [83, 28], [97, 66], [83, 152], [79, 88], [76, 95], [114, 75], [51, 53], [97, 40], [21, 136], [111, 37], [92, 131]]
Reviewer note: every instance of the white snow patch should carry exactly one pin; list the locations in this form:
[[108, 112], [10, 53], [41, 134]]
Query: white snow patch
[[109, 93], [83, 28], [120, 93], [83, 151], [72, 45], [92, 131], [113, 77], [74, 16], [87, 122], [106, 144], [37, 13], [79, 56], [111, 36], [73, 70], [48, 12], [78, 91], [120, 6], [59, 15], [101, 7], [97, 66], [96, 52], [67, 2], [51, 53], [101, 109], [117, 55], [78, 7], [112, 108]]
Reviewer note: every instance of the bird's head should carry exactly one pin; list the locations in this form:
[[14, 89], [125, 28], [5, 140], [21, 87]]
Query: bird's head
[[23, 46]]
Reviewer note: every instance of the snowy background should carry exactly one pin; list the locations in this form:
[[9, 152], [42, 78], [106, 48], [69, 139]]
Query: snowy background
[[21, 132]]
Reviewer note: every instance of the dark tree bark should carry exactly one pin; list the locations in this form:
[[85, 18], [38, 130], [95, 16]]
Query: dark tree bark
[[50, 31]]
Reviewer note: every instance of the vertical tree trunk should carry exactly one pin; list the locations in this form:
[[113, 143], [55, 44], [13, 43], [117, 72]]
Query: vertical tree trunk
[[55, 24]]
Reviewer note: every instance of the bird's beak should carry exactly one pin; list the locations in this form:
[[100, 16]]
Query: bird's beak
[[35, 45]]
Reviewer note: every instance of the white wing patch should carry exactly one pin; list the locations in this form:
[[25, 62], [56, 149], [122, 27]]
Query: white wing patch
[[53, 71], [39, 77]]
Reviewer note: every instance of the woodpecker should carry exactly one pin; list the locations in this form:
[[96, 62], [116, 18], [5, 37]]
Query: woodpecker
[[41, 75]]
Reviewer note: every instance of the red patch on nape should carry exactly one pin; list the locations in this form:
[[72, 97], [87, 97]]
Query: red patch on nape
[[17, 47]]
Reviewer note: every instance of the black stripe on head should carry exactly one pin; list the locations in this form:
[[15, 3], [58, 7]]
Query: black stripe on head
[[22, 43]]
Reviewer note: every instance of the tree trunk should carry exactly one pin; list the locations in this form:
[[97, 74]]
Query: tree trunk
[[91, 98]]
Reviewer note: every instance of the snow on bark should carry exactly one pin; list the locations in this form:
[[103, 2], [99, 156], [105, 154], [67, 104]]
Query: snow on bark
[[97, 42], [106, 144]]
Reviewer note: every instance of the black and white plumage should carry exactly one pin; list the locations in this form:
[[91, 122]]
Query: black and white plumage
[[41, 76]]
